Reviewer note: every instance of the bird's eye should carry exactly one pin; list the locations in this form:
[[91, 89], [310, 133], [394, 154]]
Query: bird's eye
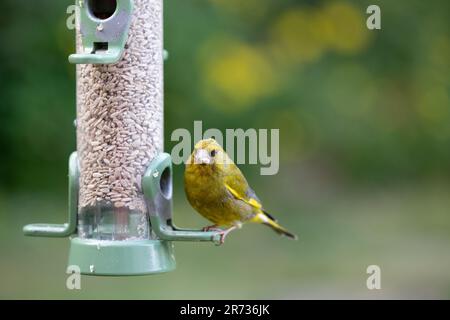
[[213, 153]]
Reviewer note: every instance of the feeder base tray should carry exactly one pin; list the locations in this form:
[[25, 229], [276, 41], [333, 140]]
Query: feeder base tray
[[121, 258]]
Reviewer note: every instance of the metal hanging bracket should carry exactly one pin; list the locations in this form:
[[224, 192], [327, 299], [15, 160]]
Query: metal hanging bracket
[[157, 187], [103, 33], [66, 229]]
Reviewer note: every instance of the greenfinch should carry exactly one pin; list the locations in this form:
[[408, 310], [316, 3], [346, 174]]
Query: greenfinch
[[217, 189]]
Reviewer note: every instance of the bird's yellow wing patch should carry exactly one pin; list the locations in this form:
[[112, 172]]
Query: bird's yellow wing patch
[[253, 202]]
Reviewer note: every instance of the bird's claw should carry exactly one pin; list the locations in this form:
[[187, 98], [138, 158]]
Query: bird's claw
[[223, 234], [219, 239], [211, 228]]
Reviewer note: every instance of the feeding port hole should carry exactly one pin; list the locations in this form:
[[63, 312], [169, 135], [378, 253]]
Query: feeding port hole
[[165, 183], [102, 9]]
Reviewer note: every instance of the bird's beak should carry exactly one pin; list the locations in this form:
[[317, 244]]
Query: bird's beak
[[202, 157]]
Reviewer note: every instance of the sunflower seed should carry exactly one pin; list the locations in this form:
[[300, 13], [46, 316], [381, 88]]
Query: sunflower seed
[[119, 112]]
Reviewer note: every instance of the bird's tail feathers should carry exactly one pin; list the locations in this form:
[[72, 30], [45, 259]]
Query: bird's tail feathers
[[269, 221]]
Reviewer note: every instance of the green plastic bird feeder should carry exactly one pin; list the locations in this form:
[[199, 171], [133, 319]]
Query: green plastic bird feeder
[[120, 180]]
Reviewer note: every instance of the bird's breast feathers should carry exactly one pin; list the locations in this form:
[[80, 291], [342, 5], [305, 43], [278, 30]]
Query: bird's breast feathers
[[212, 199]]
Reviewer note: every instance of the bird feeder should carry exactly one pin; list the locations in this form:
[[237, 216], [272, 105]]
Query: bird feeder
[[120, 180]]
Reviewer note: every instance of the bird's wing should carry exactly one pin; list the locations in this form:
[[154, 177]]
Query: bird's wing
[[243, 197], [237, 185], [250, 198]]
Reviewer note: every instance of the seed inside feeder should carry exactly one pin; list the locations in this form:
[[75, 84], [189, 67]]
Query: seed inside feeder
[[119, 129]]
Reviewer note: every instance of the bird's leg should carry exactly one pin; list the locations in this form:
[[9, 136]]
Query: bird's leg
[[225, 232], [211, 228]]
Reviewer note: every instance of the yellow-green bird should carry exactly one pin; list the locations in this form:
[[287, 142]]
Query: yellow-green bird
[[218, 190]]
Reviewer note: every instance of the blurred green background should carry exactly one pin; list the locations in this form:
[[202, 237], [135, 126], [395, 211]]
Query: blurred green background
[[364, 120]]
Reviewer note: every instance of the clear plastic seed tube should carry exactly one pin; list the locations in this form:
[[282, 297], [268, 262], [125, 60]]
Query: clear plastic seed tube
[[120, 130]]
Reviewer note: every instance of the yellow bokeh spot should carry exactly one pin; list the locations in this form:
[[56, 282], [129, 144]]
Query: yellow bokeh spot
[[304, 34], [434, 105], [296, 38], [235, 74], [348, 31]]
